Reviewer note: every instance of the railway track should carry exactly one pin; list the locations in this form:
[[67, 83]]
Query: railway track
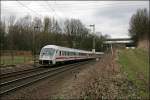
[[10, 74], [8, 84]]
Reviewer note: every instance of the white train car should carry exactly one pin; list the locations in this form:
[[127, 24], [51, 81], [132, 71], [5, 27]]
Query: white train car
[[52, 54]]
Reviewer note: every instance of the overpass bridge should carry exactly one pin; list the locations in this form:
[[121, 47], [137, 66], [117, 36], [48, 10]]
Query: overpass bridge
[[114, 43], [121, 41], [125, 42]]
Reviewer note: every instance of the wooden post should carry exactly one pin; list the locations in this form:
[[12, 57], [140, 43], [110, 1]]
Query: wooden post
[[111, 49]]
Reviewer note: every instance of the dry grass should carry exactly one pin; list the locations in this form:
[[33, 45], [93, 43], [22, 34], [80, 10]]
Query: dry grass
[[103, 80]]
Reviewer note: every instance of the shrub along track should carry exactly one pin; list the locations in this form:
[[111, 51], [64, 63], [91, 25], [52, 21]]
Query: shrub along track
[[10, 83]]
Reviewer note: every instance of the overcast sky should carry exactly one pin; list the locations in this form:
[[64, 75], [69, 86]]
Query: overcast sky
[[109, 17]]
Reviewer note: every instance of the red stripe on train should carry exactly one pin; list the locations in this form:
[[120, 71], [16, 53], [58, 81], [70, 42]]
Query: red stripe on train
[[67, 57]]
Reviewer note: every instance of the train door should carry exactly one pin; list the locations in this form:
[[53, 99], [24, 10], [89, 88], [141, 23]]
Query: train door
[[56, 53]]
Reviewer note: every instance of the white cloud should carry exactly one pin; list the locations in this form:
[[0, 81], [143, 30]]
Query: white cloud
[[109, 17]]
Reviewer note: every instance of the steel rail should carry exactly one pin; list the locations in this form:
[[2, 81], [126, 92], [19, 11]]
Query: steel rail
[[22, 78], [10, 74], [65, 68]]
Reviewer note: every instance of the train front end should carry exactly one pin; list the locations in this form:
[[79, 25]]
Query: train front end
[[47, 56]]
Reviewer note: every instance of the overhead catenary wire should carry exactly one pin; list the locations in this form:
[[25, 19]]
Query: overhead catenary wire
[[53, 10], [96, 4], [77, 10], [82, 4], [83, 10], [28, 8]]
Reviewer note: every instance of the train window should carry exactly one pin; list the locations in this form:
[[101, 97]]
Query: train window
[[84, 54], [60, 53], [48, 51], [65, 53], [71, 53]]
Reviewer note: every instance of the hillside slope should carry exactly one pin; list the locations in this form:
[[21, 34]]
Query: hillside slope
[[135, 64]]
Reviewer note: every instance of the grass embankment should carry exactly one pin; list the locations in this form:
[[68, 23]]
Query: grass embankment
[[7, 60], [135, 63]]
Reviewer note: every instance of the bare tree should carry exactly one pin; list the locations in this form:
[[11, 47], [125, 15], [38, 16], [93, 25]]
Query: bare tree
[[2, 39], [139, 25], [73, 34], [55, 26], [75, 31], [11, 38]]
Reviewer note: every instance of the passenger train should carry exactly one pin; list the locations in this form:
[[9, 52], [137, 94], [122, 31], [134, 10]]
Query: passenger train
[[52, 54]]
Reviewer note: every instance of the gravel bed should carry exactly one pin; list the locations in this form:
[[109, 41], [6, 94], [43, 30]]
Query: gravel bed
[[48, 88]]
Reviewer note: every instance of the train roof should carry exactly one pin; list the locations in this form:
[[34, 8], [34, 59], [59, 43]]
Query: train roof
[[65, 48]]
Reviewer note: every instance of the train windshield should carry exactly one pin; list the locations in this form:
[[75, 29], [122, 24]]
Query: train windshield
[[47, 52]]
